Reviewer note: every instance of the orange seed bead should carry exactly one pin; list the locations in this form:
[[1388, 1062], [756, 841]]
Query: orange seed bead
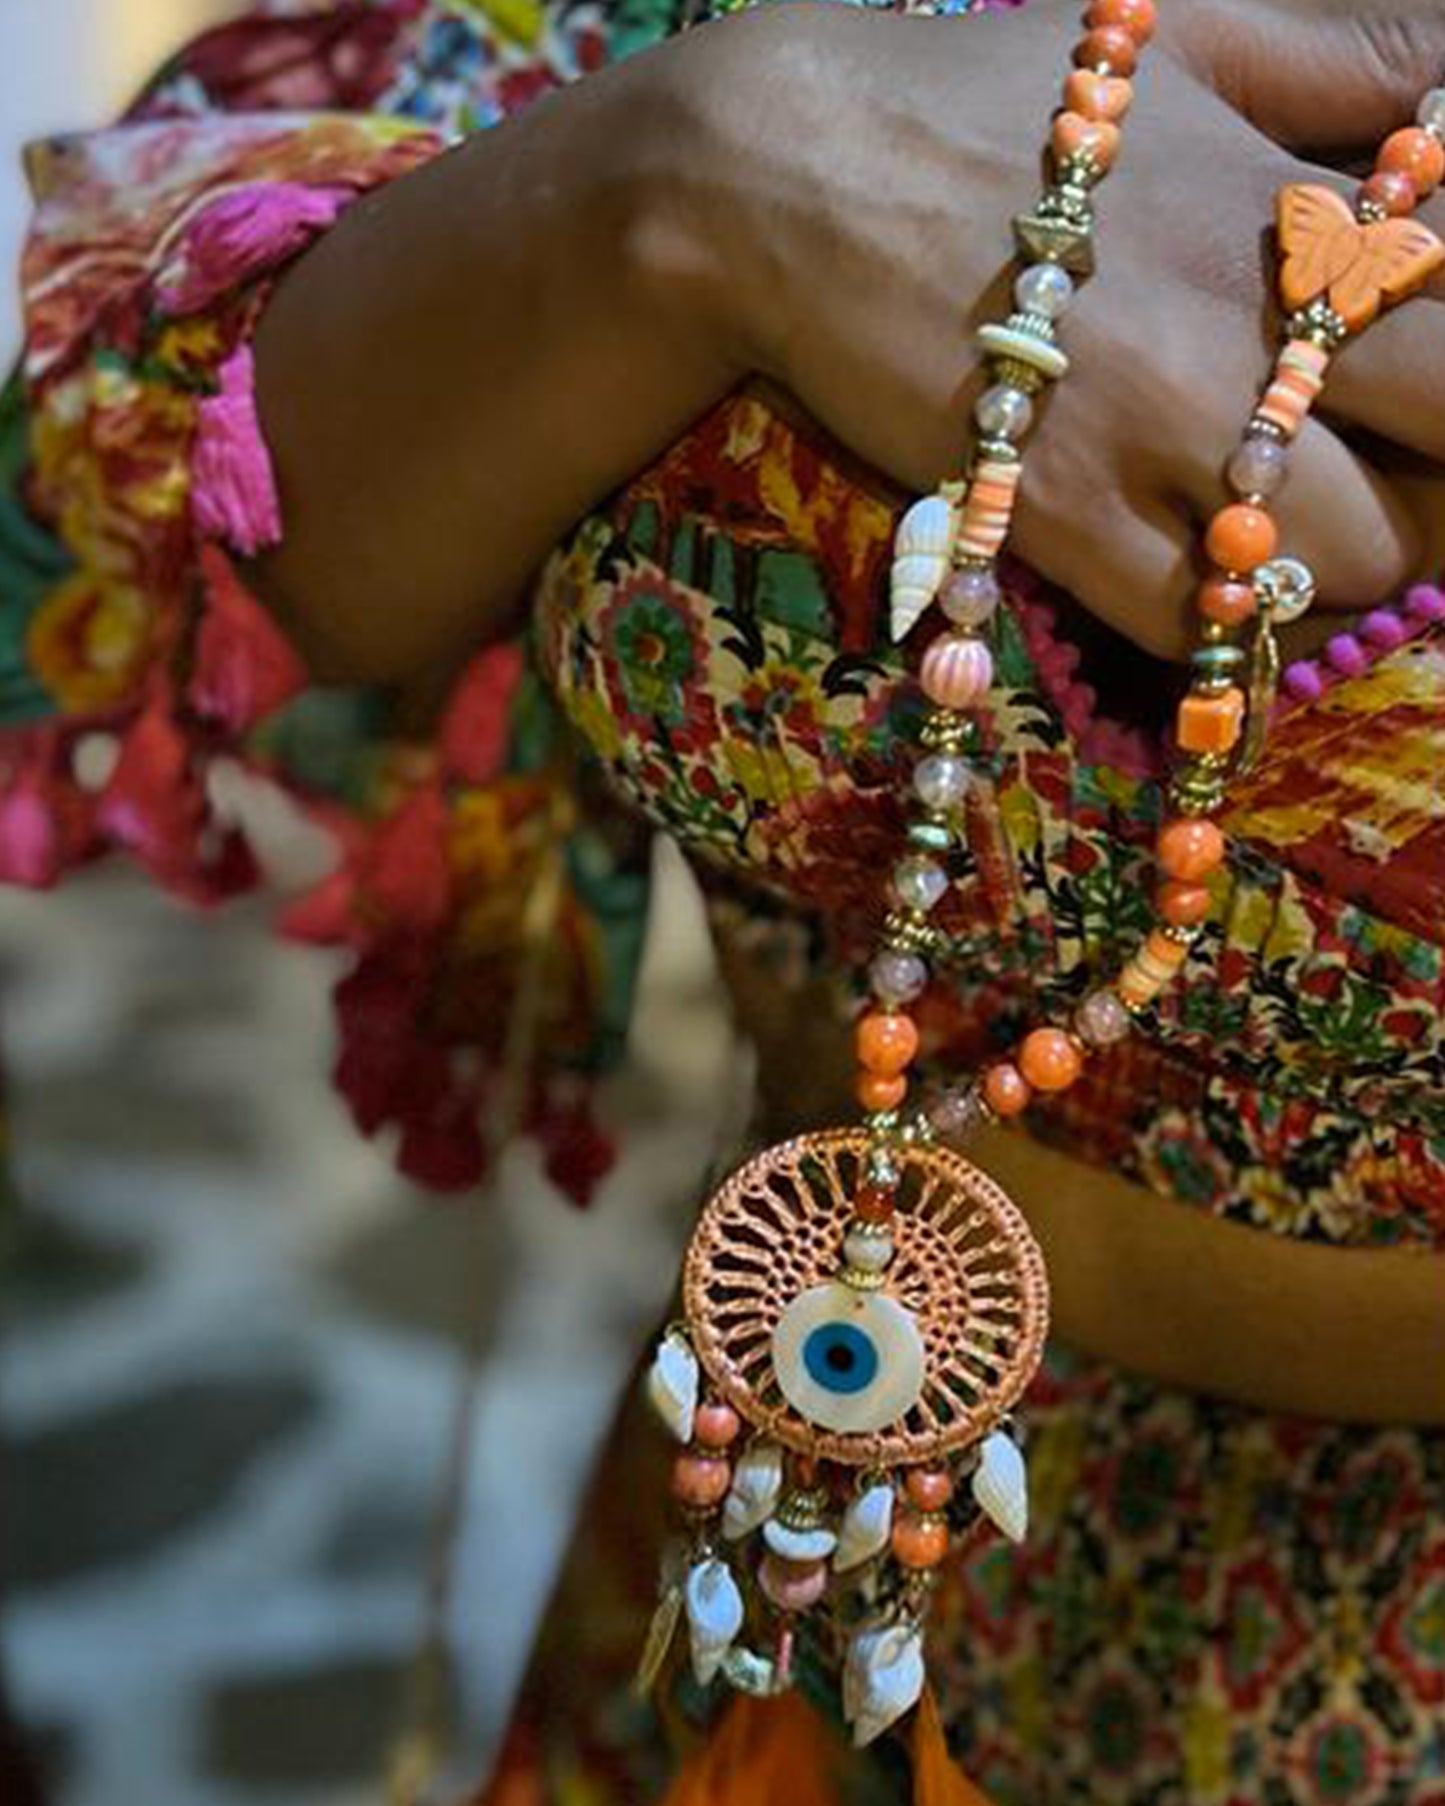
[[1190, 847], [1211, 723], [1241, 536], [920, 1542], [1414, 152], [1049, 1060], [878, 1091], [1182, 904], [1006, 1089], [1140, 18], [1227, 601], [1109, 49], [886, 1042]]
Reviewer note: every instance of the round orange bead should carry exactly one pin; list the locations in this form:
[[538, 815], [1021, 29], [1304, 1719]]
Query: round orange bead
[[1414, 152], [920, 1542], [879, 1091], [886, 1042], [1182, 904], [874, 1203], [700, 1480], [1006, 1089], [1227, 601], [1049, 1060], [1140, 18], [1392, 190], [1190, 848], [716, 1425], [1109, 49], [1241, 536], [929, 1488]]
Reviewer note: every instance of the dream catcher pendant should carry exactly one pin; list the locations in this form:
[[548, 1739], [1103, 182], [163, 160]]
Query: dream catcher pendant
[[860, 1315]]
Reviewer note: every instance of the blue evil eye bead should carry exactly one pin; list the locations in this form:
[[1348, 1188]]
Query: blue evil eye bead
[[848, 1360]]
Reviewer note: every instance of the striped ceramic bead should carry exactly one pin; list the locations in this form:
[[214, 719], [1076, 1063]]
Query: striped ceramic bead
[[1299, 375], [957, 671], [988, 509]]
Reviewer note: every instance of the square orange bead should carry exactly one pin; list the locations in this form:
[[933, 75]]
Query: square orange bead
[[1211, 723]]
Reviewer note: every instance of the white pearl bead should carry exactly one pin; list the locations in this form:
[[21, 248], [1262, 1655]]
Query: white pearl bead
[[1431, 113], [1004, 412], [869, 1253], [1044, 289], [920, 882], [941, 781]]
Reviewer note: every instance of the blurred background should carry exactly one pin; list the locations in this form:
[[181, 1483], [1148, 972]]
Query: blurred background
[[231, 1336]]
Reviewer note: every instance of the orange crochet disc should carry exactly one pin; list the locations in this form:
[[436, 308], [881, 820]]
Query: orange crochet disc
[[966, 1265]]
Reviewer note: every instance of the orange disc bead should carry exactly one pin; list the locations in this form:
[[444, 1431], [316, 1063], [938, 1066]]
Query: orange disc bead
[[886, 1042], [701, 1480], [1109, 49], [1006, 1089], [879, 1091], [1414, 152], [929, 1488], [1190, 848], [1227, 601], [1049, 1060], [1182, 904], [920, 1542], [1241, 536], [1140, 18]]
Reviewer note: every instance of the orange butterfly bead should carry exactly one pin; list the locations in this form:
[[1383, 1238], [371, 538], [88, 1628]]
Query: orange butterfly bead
[[1360, 266]]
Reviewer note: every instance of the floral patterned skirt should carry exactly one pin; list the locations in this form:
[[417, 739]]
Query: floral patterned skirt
[[1215, 1607]]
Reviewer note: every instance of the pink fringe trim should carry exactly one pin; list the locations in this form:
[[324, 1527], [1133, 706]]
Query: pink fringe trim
[[233, 485]]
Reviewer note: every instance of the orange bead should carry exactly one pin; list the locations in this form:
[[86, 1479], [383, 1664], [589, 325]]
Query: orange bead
[[1211, 723], [875, 1203], [1182, 904], [1414, 152], [1106, 97], [877, 1091], [1227, 601], [1006, 1089], [919, 1542], [1190, 847], [1049, 1060], [1392, 190], [700, 1480], [886, 1042], [1073, 133], [716, 1425], [1109, 49], [929, 1488], [1241, 536], [1139, 18], [1163, 953]]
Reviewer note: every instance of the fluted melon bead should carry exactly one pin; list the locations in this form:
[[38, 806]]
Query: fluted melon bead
[[941, 780], [1258, 467], [1431, 113], [920, 882], [1003, 412], [1044, 289], [897, 977], [970, 597]]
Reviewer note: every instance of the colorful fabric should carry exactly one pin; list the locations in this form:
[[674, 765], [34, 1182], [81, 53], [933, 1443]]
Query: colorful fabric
[[1214, 1607]]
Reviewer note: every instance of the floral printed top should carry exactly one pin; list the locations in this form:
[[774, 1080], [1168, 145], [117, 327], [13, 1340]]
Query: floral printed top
[[712, 639]]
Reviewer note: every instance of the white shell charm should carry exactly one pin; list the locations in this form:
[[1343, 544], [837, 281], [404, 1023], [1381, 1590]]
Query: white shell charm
[[882, 1678], [921, 551], [866, 1527], [1001, 1485], [714, 1616], [672, 1384], [799, 1545], [756, 1488]]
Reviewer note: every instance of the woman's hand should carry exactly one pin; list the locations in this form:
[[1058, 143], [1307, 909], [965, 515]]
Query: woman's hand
[[867, 169]]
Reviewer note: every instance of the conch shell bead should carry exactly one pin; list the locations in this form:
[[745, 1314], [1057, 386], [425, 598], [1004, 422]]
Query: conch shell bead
[[714, 1616], [921, 552], [1001, 1486], [756, 1488], [865, 1529], [672, 1385]]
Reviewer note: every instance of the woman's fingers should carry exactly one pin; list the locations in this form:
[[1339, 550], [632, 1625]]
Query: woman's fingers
[[1318, 75]]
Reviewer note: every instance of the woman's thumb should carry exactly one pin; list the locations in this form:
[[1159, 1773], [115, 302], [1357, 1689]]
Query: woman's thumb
[[1322, 76]]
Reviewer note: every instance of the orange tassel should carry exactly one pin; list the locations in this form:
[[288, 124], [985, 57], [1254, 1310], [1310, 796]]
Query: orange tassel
[[937, 1778], [766, 1752]]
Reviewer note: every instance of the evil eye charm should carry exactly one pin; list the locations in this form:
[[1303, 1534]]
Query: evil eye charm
[[848, 1360]]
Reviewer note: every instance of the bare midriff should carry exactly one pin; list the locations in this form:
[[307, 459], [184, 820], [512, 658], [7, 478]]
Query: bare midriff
[[1157, 1287]]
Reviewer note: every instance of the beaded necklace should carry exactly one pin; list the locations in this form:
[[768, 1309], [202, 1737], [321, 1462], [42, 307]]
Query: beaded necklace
[[863, 1307]]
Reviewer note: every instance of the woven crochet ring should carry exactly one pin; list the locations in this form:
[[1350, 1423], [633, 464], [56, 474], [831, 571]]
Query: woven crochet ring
[[966, 1265]]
